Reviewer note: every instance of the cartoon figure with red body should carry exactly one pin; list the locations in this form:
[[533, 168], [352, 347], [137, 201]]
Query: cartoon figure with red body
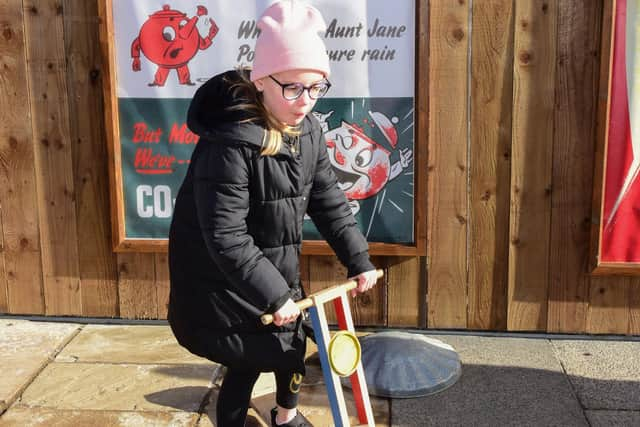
[[170, 40], [363, 166]]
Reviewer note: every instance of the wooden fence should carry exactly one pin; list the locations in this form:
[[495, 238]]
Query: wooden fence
[[513, 95]]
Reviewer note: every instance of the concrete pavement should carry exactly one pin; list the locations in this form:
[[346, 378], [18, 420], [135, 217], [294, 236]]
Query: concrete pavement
[[75, 374]]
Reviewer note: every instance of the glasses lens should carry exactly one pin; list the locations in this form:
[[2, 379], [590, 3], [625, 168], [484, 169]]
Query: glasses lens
[[318, 90], [292, 91]]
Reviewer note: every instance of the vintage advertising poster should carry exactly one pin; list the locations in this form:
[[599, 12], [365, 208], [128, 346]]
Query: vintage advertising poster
[[164, 50], [620, 220]]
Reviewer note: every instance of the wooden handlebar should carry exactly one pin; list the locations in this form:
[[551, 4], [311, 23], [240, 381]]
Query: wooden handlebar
[[308, 302]]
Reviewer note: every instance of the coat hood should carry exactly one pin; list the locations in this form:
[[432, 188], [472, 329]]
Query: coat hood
[[209, 114], [209, 117]]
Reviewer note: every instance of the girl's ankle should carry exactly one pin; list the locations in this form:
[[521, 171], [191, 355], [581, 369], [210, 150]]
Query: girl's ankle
[[298, 419], [284, 415]]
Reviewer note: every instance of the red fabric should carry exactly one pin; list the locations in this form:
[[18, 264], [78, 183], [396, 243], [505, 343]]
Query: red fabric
[[620, 233]]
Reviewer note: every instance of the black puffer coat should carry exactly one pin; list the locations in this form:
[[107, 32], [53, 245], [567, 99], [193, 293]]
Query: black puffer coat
[[236, 233]]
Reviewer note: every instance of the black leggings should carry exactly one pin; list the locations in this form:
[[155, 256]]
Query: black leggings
[[235, 394]]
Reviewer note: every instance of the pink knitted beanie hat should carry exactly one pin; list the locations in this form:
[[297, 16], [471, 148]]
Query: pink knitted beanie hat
[[289, 40]]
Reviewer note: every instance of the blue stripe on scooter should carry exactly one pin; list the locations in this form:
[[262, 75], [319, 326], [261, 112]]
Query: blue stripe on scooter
[[326, 367]]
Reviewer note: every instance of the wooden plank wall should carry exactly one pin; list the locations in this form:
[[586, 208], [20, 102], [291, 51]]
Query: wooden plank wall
[[531, 148], [48, 96], [491, 100], [448, 164], [577, 80], [509, 125], [98, 274], [18, 195], [511, 169]]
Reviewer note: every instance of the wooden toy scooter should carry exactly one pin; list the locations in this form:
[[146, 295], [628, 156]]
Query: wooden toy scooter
[[340, 353]]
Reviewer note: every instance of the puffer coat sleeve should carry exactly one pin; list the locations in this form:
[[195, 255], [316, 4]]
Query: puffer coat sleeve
[[330, 212], [221, 192]]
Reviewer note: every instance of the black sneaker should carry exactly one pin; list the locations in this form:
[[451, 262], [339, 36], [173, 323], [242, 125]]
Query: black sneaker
[[298, 421]]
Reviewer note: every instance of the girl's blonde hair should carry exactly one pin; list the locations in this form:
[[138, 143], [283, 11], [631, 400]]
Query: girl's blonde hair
[[252, 102]]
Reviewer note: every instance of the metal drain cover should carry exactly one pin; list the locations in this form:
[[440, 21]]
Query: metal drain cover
[[404, 365]]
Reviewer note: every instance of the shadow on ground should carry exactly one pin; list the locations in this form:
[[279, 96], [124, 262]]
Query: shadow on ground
[[181, 398], [488, 395]]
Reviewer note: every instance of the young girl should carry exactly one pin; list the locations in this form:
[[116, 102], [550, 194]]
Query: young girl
[[234, 244]]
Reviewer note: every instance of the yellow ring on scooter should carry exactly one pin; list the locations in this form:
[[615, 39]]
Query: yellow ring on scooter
[[344, 353]]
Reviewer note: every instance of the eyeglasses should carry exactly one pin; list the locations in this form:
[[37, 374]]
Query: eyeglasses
[[293, 91]]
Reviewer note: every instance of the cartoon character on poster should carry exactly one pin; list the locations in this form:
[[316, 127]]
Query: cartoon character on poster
[[362, 165], [170, 40]]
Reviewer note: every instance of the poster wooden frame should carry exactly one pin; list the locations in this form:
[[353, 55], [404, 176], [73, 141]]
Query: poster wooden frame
[[598, 267], [121, 243]]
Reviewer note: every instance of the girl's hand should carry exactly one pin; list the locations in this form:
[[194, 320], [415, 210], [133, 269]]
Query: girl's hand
[[289, 312], [365, 280]]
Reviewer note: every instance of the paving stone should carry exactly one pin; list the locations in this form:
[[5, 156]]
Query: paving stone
[[127, 344], [613, 418], [505, 382], [120, 387], [25, 347], [266, 384], [19, 416], [605, 374]]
